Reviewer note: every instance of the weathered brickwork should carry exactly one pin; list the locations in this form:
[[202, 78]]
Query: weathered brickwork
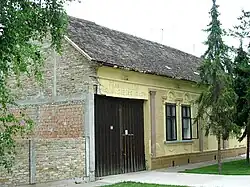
[[64, 75], [58, 141], [74, 72], [20, 172], [57, 108], [60, 121], [58, 159]]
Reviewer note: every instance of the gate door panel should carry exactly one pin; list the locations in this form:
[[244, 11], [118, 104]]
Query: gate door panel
[[133, 136], [107, 130], [119, 136]]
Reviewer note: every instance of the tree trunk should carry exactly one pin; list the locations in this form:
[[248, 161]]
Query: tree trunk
[[248, 142], [219, 154]]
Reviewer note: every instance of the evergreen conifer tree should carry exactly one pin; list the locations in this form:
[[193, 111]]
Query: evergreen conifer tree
[[217, 101], [241, 86], [242, 78]]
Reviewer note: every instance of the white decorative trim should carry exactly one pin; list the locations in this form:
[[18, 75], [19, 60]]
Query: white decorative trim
[[78, 48]]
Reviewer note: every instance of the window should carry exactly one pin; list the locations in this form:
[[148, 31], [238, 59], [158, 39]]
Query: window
[[186, 122], [171, 134]]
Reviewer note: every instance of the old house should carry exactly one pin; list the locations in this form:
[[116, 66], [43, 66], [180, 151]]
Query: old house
[[112, 103]]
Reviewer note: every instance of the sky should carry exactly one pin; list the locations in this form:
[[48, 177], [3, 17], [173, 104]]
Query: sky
[[175, 23]]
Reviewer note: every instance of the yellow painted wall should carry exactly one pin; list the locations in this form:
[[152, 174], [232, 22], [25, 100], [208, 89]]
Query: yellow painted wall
[[212, 143], [128, 84], [234, 143]]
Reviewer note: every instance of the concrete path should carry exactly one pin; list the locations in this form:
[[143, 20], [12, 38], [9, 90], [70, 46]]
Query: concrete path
[[69, 183], [165, 176], [158, 177], [192, 180]]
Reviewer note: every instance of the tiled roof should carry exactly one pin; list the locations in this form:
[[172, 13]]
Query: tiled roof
[[114, 48]]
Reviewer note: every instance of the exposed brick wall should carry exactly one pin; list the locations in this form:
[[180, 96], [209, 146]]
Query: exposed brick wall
[[20, 171], [58, 135], [60, 121], [59, 144], [73, 71], [58, 159]]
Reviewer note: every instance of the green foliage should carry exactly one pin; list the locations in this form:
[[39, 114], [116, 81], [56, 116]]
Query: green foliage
[[10, 127], [241, 86], [242, 31], [242, 78], [26, 24], [217, 101]]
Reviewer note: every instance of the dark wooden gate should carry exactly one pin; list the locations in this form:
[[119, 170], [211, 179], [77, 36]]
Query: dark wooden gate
[[119, 135]]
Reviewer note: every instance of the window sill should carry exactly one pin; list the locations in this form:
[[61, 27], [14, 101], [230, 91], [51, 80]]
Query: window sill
[[178, 141]]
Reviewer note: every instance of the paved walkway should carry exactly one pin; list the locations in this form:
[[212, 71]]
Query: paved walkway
[[69, 183], [158, 177], [193, 180], [167, 176]]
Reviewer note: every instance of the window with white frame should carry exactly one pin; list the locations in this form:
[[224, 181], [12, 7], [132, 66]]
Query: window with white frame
[[171, 134], [186, 122]]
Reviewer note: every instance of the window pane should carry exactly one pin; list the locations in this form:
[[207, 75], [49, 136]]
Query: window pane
[[184, 114], [173, 110], [173, 129], [186, 123], [187, 134], [170, 122], [169, 133], [186, 128], [186, 111], [168, 110]]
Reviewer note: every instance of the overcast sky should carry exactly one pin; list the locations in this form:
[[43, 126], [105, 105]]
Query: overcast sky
[[182, 21]]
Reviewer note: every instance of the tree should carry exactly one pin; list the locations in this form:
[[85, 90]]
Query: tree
[[216, 103], [241, 86], [242, 79], [24, 24]]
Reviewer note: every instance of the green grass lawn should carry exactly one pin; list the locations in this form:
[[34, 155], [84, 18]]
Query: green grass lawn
[[133, 184], [239, 167]]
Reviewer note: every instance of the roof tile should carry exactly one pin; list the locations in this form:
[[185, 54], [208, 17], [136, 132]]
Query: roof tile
[[126, 51]]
